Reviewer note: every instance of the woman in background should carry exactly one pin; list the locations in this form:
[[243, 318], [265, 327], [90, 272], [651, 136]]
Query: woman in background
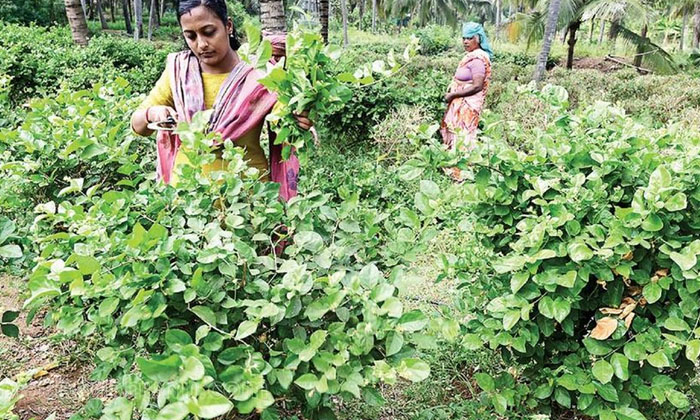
[[467, 92]]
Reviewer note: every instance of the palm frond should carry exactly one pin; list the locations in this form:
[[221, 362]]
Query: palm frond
[[655, 57]]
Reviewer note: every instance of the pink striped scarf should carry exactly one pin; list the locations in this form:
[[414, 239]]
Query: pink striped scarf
[[241, 104]]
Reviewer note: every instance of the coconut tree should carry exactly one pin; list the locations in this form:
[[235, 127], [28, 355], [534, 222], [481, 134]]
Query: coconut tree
[[272, 17], [683, 9], [549, 31], [76, 20], [344, 11], [138, 18], [127, 17], [624, 13], [323, 17]]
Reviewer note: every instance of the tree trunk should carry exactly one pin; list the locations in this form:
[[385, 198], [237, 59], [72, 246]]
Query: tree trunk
[[549, 32], [602, 32], [362, 14], [696, 26], [76, 20], [323, 17], [573, 27], [151, 19], [590, 31], [683, 26], [127, 17], [100, 13], [272, 17], [91, 10], [111, 10], [641, 48], [344, 11], [138, 18], [162, 10], [157, 13], [374, 15], [498, 13], [83, 4]]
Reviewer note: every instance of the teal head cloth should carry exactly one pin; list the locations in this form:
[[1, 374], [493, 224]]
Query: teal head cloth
[[469, 29]]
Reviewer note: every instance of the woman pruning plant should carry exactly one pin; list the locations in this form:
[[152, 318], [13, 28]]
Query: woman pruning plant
[[211, 75], [466, 94]]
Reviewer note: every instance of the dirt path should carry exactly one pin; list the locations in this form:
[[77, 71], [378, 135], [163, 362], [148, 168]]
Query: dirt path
[[60, 382]]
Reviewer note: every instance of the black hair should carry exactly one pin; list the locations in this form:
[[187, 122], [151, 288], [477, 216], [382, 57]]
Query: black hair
[[216, 6]]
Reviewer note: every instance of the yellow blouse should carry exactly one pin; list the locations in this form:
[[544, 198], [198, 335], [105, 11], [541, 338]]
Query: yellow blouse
[[162, 94]]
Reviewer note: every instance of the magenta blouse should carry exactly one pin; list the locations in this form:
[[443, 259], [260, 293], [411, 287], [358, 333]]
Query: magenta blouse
[[473, 68]]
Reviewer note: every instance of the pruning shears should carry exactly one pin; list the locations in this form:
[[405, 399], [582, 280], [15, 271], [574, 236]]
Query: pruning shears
[[168, 124]]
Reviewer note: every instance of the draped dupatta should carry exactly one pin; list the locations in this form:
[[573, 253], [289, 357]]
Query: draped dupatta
[[241, 105]]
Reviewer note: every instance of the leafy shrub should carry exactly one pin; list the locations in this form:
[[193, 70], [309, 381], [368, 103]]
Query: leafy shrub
[[182, 282], [392, 134], [82, 135], [435, 39], [41, 60], [594, 289], [41, 12]]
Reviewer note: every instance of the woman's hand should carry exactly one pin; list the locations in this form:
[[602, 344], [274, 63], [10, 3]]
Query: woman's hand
[[159, 113], [303, 120], [141, 118], [449, 97]]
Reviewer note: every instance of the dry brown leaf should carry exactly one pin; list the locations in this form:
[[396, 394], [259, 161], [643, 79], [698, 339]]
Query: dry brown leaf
[[627, 301], [628, 256], [628, 320], [634, 290], [611, 311], [626, 281], [643, 302], [602, 283], [604, 328], [628, 310], [654, 279], [662, 273]]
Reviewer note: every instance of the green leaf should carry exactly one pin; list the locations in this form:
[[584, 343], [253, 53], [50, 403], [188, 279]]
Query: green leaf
[[607, 392], [210, 404], [567, 280], [677, 202], [652, 223], [579, 251], [603, 371], [394, 343], [316, 310], [500, 403], [87, 265], [628, 413], [686, 260], [510, 319], [518, 280], [561, 309], [175, 338], [485, 382], [245, 329], [205, 313], [415, 370], [676, 324], [10, 330], [430, 189], [546, 307], [678, 399], [9, 316], [159, 370], [652, 292], [413, 321], [373, 397], [10, 251], [193, 369], [635, 351], [659, 360], [692, 350], [309, 240], [307, 381], [284, 377], [606, 414], [174, 411], [620, 365]]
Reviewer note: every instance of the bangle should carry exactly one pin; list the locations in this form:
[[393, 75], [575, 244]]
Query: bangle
[[148, 120]]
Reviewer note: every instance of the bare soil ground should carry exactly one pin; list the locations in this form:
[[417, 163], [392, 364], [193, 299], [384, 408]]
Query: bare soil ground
[[60, 369]]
